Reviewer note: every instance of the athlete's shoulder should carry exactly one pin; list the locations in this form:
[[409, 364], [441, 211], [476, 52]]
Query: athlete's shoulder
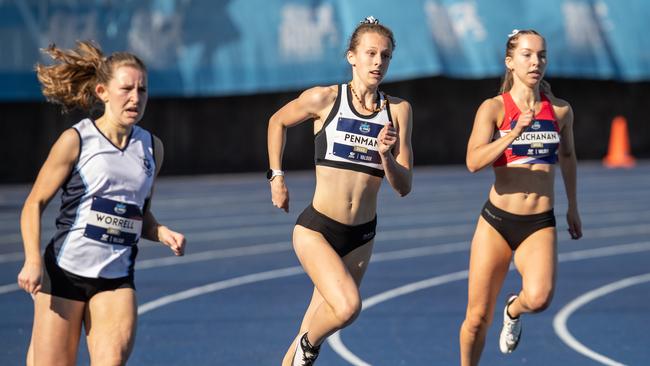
[[320, 95], [491, 110], [84, 124], [398, 104], [557, 102], [397, 100], [494, 105], [141, 129], [70, 137], [67, 147], [561, 107]]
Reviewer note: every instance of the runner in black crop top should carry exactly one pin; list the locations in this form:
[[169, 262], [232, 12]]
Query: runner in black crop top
[[361, 135]]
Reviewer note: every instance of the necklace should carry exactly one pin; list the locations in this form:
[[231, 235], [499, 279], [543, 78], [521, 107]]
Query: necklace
[[363, 105]]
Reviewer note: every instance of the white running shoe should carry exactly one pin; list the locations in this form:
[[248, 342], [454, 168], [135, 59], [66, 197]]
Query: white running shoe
[[306, 354], [511, 331]]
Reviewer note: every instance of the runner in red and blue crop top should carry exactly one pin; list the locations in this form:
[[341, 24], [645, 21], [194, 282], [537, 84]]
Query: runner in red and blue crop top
[[522, 133], [537, 144], [361, 136]]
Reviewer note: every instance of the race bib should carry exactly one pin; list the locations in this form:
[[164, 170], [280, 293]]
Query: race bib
[[114, 222], [540, 139], [357, 140]]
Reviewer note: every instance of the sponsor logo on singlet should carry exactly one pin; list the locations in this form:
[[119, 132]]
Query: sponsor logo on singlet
[[364, 127], [120, 209], [147, 166]]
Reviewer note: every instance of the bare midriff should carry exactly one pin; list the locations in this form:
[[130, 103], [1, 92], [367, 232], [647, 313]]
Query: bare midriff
[[524, 189], [346, 196]]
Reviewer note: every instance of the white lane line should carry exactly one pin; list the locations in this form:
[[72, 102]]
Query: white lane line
[[194, 257], [385, 235], [616, 212], [386, 256], [419, 251], [280, 247], [377, 257], [253, 231], [341, 349], [214, 254], [561, 318], [12, 257], [217, 286], [9, 288], [337, 345], [273, 248], [290, 271], [335, 339], [427, 232]]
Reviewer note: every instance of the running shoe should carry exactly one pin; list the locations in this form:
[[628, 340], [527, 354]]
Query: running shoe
[[511, 331], [306, 354]]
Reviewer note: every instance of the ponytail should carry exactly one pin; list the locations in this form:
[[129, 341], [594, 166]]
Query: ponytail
[[72, 79]]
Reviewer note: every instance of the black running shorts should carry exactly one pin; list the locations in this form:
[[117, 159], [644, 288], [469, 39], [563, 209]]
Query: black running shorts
[[343, 238]]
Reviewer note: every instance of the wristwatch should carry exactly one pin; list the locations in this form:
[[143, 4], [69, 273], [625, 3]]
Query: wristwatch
[[272, 173]]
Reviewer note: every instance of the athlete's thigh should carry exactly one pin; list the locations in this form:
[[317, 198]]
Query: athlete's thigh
[[357, 261], [57, 326], [490, 258], [536, 258], [323, 265], [111, 323]]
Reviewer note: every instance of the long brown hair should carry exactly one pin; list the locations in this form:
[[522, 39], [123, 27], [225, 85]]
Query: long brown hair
[[71, 80], [507, 80]]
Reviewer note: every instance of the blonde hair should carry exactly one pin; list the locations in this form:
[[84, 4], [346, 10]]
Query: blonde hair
[[507, 80], [71, 80]]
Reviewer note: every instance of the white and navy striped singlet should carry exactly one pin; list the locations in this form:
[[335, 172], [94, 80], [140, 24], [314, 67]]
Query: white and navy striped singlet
[[348, 140], [102, 203]]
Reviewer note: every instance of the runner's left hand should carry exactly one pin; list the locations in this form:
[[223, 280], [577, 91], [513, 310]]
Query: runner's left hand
[[175, 241]]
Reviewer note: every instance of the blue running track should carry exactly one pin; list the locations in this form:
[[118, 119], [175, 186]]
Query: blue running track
[[238, 295]]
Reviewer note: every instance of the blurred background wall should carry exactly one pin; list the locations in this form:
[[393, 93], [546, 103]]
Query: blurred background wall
[[219, 69]]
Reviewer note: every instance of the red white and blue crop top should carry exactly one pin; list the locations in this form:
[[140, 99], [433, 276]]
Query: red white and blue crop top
[[538, 143]]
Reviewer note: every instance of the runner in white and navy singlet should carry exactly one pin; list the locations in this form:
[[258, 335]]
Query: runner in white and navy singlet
[[106, 169], [102, 204]]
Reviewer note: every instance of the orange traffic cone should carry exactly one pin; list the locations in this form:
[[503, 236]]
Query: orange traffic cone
[[618, 155]]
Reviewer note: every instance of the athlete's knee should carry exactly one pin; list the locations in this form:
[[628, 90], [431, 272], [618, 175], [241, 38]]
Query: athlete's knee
[[477, 319], [538, 299], [111, 358], [45, 351], [50, 360], [110, 354], [347, 310]]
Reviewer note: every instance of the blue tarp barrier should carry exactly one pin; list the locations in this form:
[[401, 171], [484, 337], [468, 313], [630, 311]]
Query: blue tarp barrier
[[227, 47]]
